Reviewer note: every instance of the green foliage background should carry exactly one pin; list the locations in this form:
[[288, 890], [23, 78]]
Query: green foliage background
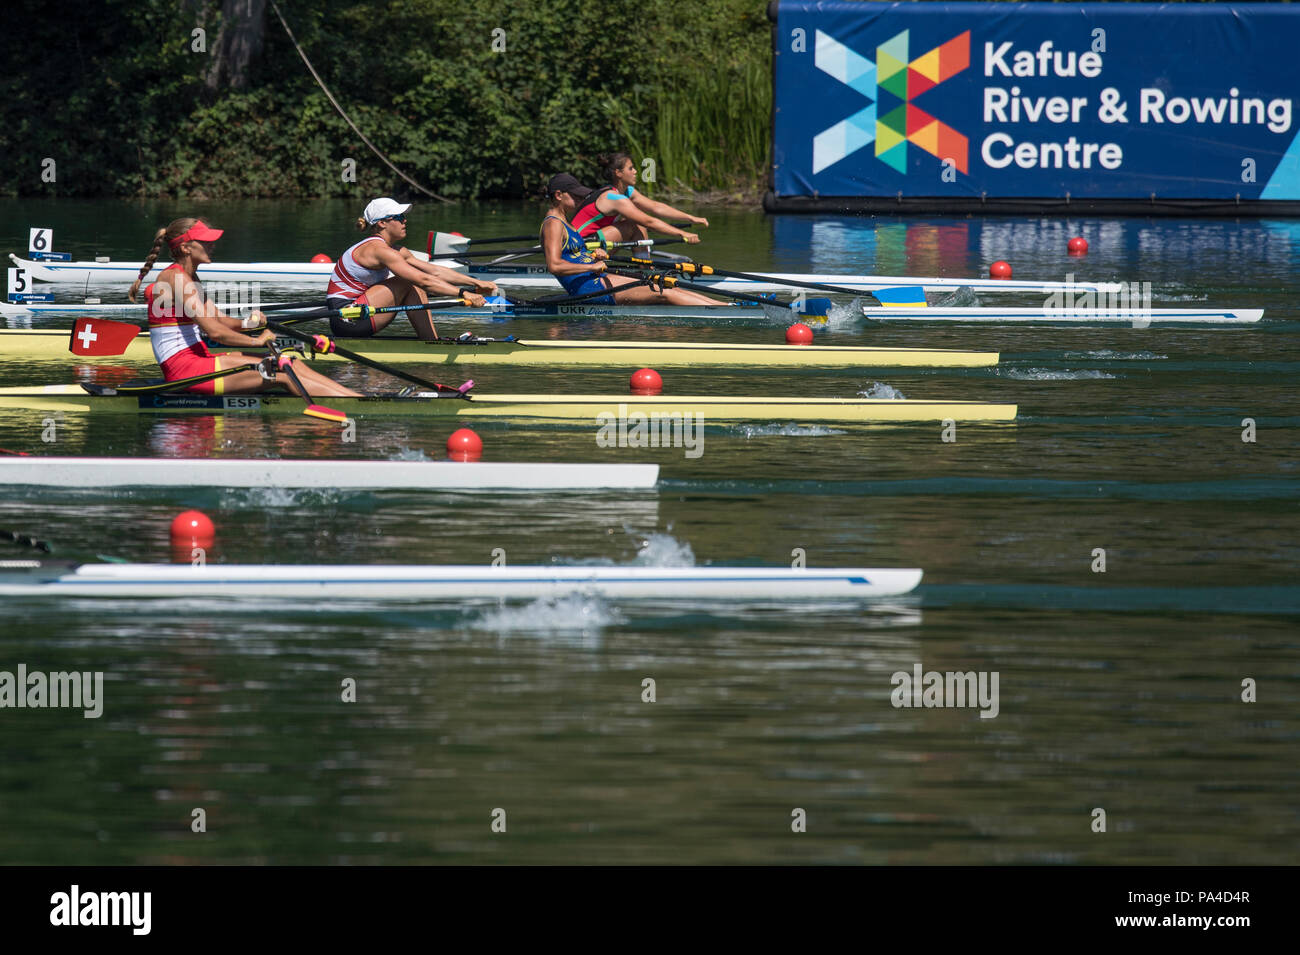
[[109, 89]]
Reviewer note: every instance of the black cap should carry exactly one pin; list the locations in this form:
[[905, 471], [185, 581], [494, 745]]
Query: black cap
[[563, 182]]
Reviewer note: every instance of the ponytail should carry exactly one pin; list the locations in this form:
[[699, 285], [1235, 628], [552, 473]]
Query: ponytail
[[149, 260], [175, 229]]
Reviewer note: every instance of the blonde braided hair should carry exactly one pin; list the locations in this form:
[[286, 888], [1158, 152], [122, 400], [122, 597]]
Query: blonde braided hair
[[176, 228]]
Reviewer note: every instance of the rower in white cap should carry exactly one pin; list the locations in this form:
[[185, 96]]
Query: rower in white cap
[[378, 272]]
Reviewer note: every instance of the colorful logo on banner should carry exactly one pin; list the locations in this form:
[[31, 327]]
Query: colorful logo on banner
[[891, 77]]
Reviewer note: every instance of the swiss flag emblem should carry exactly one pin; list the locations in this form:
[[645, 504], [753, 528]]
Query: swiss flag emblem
[[99, 336]]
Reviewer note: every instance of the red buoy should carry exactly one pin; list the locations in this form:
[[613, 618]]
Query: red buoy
[[1078, 245], [195, 525], [1000, 270], [798, 334], [464, 445], [321, 257], [646, 381], [192, 531]]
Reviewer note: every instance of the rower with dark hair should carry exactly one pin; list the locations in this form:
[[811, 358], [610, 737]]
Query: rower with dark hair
[[616, 212], [581, 271]]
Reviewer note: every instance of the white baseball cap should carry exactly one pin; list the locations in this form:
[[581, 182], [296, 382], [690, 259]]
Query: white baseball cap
[[383, 208]]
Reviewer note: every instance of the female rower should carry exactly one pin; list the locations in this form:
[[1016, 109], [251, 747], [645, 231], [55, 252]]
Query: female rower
[[616, 212], [579, 270], [379, 273], [179, 314]]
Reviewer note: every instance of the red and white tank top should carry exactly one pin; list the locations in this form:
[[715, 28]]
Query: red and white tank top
[[350, 278], [170, 332]]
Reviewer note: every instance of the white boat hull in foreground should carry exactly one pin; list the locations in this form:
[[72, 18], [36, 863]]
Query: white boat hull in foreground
[[434, 582], [316, 275], [1074, 316], [90, 472]]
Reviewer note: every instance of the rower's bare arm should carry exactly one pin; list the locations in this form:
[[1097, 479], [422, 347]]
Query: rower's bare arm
[[553, 245], [221, 328], [454, 277], [407, 267], [629, 211], [664, 211]]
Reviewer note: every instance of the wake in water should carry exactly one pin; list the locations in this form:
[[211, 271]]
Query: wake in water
[[1052, 374], [1108, 355], [785, 430]]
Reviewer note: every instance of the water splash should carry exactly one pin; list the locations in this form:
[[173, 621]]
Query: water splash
[[878, 389], [1052, 374], [574, 613], [252, 497], [663, 550], [786, 430], [1109, 355]]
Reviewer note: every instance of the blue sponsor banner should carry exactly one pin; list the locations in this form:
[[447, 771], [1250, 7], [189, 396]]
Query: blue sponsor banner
[[1081, 100]]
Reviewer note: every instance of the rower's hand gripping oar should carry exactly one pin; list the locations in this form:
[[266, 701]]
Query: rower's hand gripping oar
[[326, 345]]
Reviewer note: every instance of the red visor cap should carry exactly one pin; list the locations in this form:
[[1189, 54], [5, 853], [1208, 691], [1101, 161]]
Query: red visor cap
[[201, 231]]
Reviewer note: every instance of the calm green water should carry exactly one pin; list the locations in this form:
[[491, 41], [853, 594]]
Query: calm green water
[[1118, 690]]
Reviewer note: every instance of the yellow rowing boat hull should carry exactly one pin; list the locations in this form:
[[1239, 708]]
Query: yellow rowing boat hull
[[53, 345], [594, 408]]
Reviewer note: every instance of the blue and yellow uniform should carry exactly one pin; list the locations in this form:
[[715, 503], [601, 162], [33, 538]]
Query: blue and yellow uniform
[[575, 250]]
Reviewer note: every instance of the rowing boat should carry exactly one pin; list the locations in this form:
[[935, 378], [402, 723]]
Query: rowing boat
[[316, 274], [323, 582], [52, 471], [916, 314], [1101, 315], [631, 411], [721, 312], [54, 345]]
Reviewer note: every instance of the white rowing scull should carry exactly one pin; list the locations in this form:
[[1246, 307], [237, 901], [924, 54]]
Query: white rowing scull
[[323, 582]]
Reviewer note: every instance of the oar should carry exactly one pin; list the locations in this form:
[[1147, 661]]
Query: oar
[[313, 410], [694, 268], [325, 344], [160, 386], [104, 337], [278, 306], [444, 245], [671, 281]]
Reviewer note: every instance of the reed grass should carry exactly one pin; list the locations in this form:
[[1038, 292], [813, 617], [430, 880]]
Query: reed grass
[[711, 135]]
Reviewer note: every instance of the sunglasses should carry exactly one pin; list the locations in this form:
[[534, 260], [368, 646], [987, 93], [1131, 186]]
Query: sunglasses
[[400, 218]]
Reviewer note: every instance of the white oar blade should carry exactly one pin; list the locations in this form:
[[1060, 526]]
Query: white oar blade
[[444, 243]]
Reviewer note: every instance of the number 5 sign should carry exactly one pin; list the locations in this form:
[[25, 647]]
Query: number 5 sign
[[18, 281]]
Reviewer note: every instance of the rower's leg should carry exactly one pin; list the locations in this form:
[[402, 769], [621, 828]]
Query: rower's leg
[[389, 292], [315, 382], [251, 381], [422, 322], [623, 230], [644, 295]]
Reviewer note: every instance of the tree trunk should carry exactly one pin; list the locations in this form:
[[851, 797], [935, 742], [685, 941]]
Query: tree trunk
[[239, 41]]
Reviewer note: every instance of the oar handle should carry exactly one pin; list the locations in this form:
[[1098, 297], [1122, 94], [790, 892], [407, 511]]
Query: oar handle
[[353, 312]]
